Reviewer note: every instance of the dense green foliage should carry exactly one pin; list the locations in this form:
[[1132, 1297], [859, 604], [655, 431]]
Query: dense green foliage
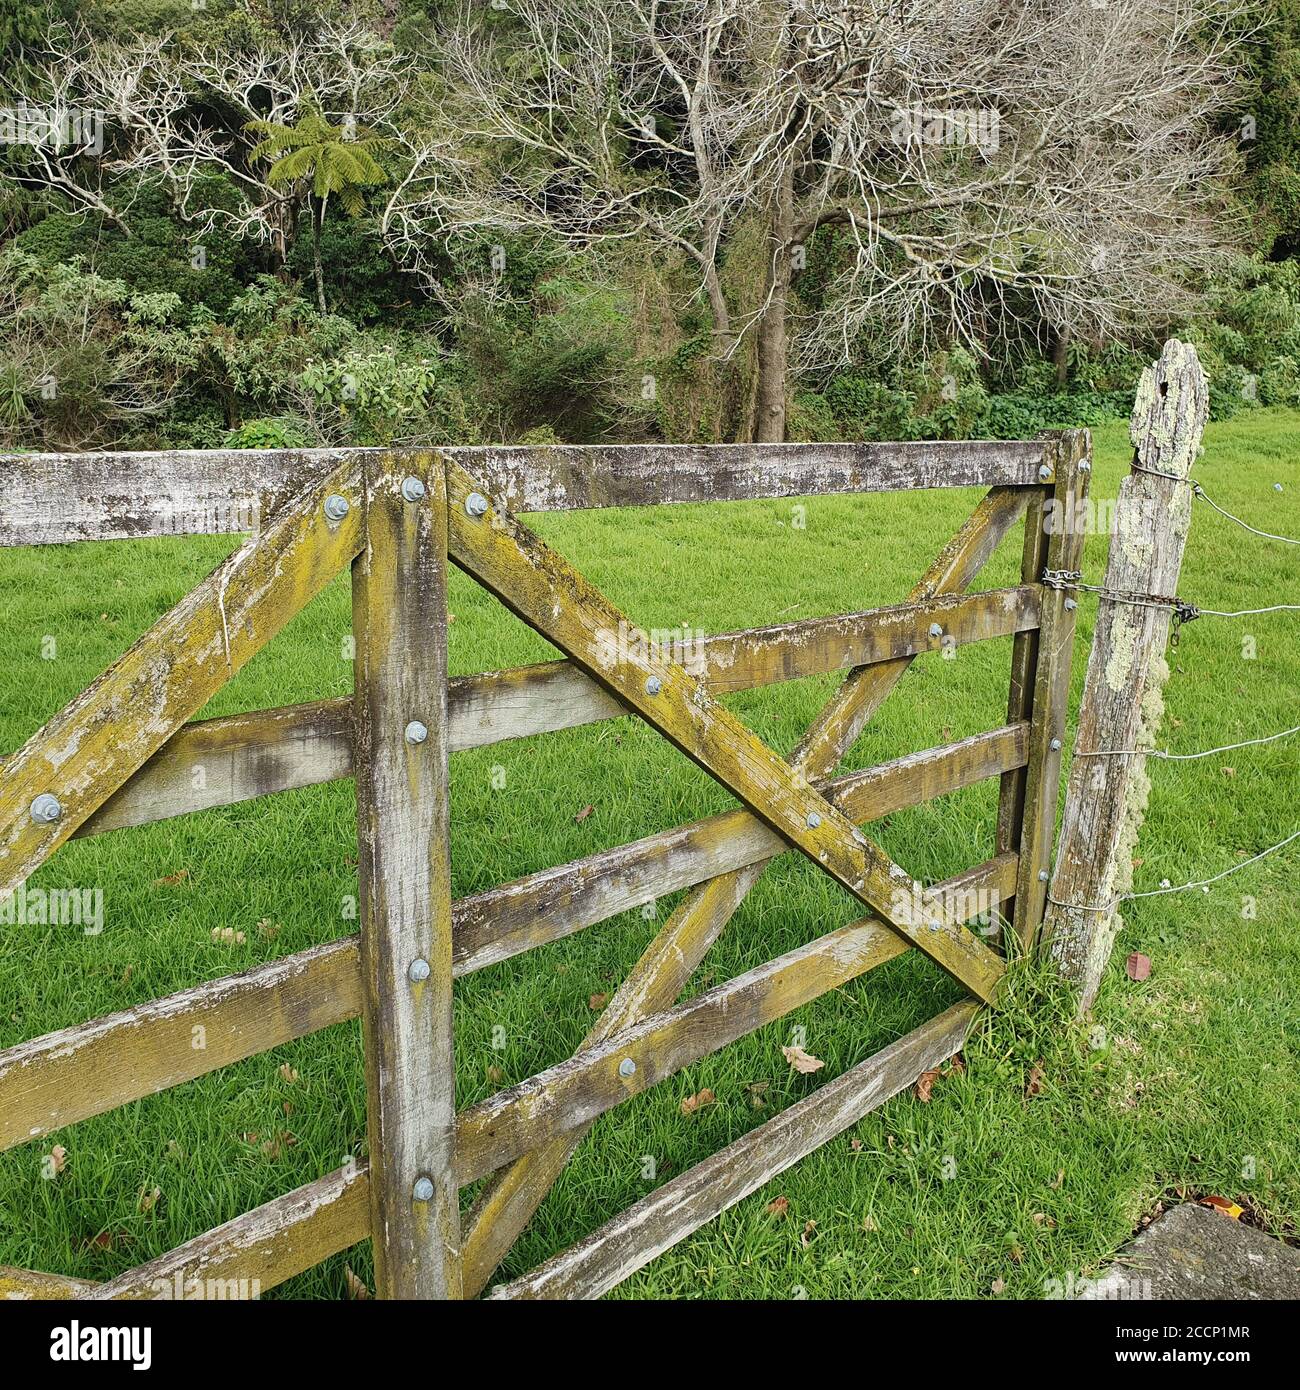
[[190, 333]]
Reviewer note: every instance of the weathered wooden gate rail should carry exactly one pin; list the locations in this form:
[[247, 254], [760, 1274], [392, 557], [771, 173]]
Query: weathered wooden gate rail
[[121, 755]]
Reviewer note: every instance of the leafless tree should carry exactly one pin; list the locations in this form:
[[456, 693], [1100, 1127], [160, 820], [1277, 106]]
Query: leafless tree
[[984, 162]]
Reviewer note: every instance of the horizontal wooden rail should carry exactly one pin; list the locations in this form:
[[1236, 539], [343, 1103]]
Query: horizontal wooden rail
[[260, 1249], [685, 1203], [85, 1070], [267, 751], [55, 498], [35, 1284], [577, 1090], [291, 1233]]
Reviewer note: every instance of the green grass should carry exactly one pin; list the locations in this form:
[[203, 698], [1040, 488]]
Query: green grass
[[1191, 1080]]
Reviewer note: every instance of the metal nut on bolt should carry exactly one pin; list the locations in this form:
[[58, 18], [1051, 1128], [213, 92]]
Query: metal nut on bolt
[[337, 507], [1071, 604], [1044, 472], [627, 1067], [423, 1190], [1042, 875], [416, 732], [418, 971], [936, 630], [814, 820], [476, 504], [1055, 745], [46, 809], [653, 685], [412, 489]]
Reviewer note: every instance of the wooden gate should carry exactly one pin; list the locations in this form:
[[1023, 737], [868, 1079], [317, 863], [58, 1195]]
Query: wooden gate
[[119, 755]]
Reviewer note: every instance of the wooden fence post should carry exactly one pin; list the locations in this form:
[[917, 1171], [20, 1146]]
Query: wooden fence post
[[1122, 699], [1040, 680], [399, 604]]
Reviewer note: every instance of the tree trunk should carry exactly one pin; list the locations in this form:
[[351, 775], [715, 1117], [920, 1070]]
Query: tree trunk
[[317, 219], [1061, 356], [772, 346]]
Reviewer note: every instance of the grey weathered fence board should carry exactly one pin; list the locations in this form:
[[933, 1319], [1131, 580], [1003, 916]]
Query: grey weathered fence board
[[52, 498]]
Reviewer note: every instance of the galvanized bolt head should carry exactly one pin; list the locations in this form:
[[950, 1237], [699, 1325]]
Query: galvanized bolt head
[[934, 926], [418, 970], [1056, 745], [1085, 466], [1044, 472], [416, 732], [814, 820], [336, 507], [476, 504], [936, 630], [627, 1067], [1071, 604], [653, 685], [423, 1190], [46, 809], [1042, 875], [412, 489]]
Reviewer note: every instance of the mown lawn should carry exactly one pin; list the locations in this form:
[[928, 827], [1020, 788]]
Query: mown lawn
[[1188, 1080]]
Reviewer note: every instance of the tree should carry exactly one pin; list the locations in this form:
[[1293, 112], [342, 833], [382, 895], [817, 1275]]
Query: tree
[[334, 160], [962, 164]]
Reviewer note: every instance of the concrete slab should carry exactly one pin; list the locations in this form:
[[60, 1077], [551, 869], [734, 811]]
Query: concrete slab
[[1192, 1251]]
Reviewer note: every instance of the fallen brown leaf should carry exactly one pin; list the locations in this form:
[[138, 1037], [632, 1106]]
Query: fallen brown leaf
[[809, 1231], [1137, 966], [925, 1084], [598, 1001], [356, 1288], [1229, 1209], [801, 1061], [172, 879], [779, 1207], [583, 814], [148, 1199], [57, 1159], [1035, 1083], [698, 1101], [288, 1073], [999, 1285]]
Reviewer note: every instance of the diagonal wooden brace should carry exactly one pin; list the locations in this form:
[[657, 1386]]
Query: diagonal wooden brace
[[509, 1199], [94, 744], [551, 596]]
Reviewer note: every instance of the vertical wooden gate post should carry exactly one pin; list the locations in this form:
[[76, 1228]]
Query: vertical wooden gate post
[[1122, 701], [399, 604], [1027, 809]]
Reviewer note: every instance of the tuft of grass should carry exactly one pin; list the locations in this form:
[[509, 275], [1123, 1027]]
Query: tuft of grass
[[994, 1187]]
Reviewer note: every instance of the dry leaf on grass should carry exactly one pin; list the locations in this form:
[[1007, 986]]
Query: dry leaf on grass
[[172, 880], [999, 1285], [698, 1101], [148, 1199], [356, 1289], [1137, 966], [779, 1207], [583, 814], [495, 1075], [809, 1231], [228, 936], [1035, 1083], [287, 1073], [597, 1001], [56, 1161], [801, 1061], [925, 1084], [1229, 1209]]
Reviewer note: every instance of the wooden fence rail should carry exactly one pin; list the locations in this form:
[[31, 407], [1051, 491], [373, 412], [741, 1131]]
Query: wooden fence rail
[[120, 755]]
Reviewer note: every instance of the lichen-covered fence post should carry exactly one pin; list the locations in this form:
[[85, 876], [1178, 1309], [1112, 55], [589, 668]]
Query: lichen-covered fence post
[[1106, 797]]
